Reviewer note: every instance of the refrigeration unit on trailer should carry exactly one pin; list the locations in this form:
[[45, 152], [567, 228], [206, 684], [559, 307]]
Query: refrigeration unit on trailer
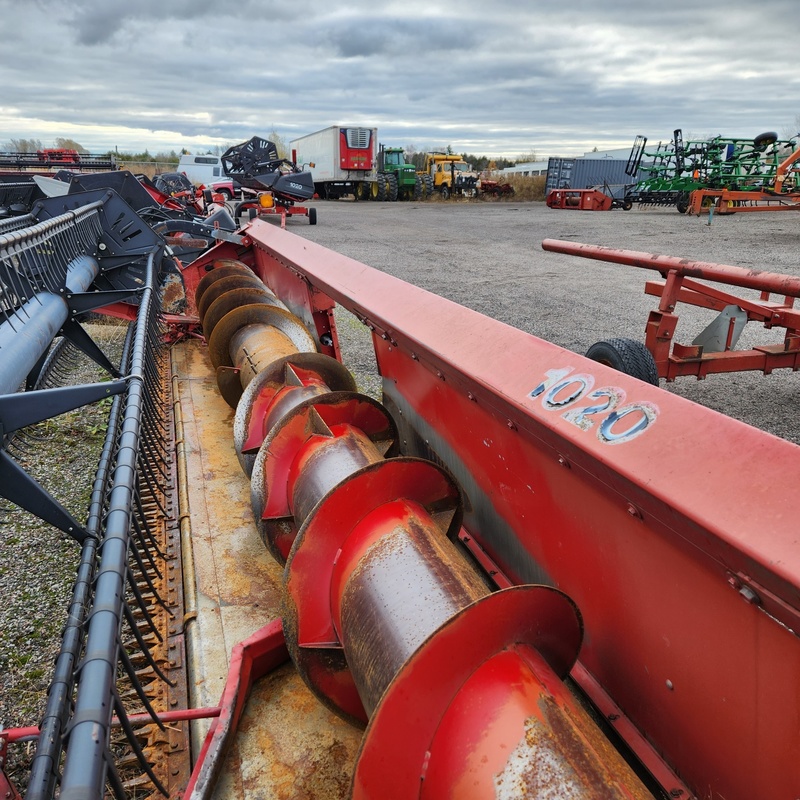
[[342, 160]]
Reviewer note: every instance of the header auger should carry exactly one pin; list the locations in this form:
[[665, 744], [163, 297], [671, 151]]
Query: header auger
[[502, 578]]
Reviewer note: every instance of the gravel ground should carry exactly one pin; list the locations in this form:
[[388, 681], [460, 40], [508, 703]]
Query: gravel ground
[[488, 256]]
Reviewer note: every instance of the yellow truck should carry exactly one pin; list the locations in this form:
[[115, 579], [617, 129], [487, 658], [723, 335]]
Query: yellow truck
[[449, 174]]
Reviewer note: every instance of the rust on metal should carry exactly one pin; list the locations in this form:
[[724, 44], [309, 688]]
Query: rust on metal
[[215, 290], [216, 273], [266, 385], [254, 346], [260, 315], [409, 582], [239, 296], [324, 461]]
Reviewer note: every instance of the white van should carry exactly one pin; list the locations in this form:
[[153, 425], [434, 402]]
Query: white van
[[203, 169]]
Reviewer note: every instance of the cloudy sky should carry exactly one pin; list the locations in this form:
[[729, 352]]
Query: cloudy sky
[[500, 78]]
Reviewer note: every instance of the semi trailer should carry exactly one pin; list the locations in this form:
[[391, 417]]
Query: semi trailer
[[342, 160]]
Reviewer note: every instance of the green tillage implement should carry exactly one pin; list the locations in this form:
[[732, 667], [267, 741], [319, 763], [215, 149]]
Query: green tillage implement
[[675, 169]]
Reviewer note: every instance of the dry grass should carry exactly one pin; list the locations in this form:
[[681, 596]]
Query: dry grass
[[526, 188]]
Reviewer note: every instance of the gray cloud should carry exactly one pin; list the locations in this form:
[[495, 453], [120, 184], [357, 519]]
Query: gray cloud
[[503, 80]]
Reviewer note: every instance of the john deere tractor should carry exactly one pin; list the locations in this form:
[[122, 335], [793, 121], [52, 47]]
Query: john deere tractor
[[396, 179]]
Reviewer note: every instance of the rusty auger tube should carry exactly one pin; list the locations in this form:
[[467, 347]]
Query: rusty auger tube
[[387, 622]]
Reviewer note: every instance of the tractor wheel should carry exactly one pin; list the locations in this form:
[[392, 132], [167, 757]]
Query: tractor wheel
[[378, 189], [445, 192], [363, 191], [419, 190], [312, 216], [764, 139], [427, 183], [628, 356], [391, 187]]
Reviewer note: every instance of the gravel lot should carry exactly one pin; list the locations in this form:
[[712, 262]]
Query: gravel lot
[[487, 256]]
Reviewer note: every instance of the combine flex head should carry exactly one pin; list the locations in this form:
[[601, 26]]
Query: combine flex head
[[257, 165]]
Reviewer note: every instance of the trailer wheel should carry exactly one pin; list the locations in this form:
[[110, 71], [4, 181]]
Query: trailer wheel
[[628, 356], [312, 216], [627, 205], [683, 202]]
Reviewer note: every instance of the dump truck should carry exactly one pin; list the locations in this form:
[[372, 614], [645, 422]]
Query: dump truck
[[449, 174], [342, 160]]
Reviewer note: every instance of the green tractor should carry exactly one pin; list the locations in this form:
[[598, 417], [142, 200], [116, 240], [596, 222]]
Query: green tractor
[[396, 178]]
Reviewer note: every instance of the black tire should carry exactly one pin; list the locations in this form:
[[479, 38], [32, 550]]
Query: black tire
[[627, 205], [312, 216], [764, 139], [227, 194], [683, 202], [628, 356], [378, 189], [363, 191], [391, 188], [419, 189], [445, 192]]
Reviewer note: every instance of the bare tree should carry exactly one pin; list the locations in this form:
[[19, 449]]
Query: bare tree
[[70, 144], [525, 158], [24, 145]]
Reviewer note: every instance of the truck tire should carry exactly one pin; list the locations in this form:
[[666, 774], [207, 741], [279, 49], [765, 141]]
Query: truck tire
[[391, 187], [445, 192], [628, 356], [419, 190]]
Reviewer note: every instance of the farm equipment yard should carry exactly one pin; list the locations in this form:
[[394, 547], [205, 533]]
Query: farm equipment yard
[[520, 573]]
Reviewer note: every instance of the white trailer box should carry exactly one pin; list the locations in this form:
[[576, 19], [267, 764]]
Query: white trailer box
[[344, 159], [203, 169]]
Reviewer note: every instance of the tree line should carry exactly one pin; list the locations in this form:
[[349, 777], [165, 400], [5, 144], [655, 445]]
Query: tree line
[[412, 154]]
